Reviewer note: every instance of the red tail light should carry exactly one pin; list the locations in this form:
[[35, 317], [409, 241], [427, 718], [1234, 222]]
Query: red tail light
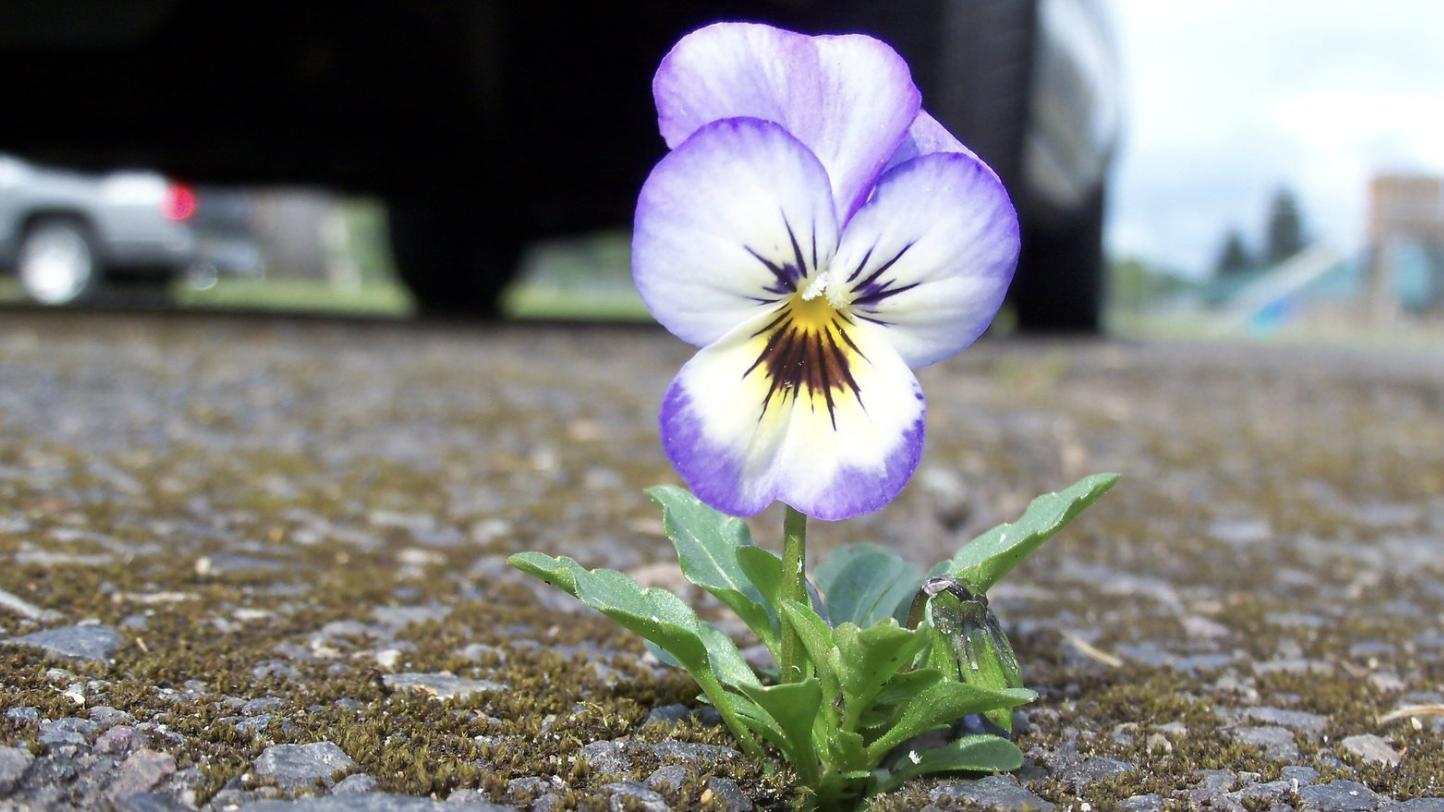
[[180, 202]]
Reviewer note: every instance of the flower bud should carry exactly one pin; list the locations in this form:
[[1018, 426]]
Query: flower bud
[[978, 652]]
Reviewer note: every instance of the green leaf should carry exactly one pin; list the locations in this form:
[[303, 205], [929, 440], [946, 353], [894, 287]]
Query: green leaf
[[904, 686], [817, 641], [867, 659], [980, 753], [793, 708], [707, 544], [984, 561], [865, 583], [662, 619], [846, 751], [764, 569], [665, 658], [727, 662], [758, 721], [942, 704], [559, 572], [655, 614]]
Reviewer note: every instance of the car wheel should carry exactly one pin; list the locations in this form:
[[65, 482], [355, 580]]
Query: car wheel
[[451, 270], [57, 262]]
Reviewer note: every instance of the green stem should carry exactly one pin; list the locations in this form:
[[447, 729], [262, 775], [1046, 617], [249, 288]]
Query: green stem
[[794, 586], [714, 692]]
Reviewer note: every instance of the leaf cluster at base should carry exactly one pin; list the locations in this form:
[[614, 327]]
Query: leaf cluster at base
[[870, 686]]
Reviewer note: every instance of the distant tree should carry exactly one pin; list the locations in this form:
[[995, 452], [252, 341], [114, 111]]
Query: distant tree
[[1135, 284], [1285, 230], [1233, 258]]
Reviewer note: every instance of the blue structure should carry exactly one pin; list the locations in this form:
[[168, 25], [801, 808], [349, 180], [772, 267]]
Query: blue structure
[[1314, 280]]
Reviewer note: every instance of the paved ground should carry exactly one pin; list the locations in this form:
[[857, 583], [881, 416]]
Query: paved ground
[[248, 560]]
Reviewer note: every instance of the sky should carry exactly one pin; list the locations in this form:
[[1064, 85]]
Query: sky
[[1227, 100]]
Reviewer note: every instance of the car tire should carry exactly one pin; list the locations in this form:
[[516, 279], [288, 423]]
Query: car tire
[[1059, 285], [452, 268], [57, 262]]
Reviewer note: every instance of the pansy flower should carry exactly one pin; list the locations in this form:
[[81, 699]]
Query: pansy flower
[[819, 236]]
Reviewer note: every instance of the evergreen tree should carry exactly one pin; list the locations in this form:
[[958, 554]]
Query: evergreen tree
[[1233, 258], [1285, 230]]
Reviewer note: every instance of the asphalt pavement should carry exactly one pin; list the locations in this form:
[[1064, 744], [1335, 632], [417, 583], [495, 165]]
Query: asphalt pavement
[[248, 559]]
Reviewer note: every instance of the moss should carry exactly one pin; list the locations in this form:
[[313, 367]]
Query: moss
[[275, 449]]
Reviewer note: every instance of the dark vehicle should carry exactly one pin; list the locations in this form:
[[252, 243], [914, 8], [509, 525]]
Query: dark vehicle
[[489, 124]]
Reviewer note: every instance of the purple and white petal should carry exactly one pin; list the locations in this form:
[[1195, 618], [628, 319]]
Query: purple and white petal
[[849, 98], [924, 137], [801, 405], [930, 256], [730, 221]]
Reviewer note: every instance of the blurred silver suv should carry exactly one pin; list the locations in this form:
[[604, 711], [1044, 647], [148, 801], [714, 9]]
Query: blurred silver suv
[[66, 235]]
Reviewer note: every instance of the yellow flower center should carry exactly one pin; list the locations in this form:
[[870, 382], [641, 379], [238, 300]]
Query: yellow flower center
[[806, 351]]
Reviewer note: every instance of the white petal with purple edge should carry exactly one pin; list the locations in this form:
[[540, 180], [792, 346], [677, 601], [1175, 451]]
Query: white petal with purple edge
[[849, 98], [930, 256], [801, 405], [924, 137], [727, 223]]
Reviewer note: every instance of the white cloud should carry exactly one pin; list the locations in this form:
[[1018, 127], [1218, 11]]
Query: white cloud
[[1229, 99]]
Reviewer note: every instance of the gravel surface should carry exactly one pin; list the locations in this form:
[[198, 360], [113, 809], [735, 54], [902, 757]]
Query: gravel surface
[[254, 564]]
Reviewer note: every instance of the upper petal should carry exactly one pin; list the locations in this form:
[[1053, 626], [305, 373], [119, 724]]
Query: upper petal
[[849, 98], [926, 136], [728, 222], [809, 408], [930, 256]]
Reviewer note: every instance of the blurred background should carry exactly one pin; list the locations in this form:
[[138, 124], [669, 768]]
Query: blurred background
[[1223, 170]]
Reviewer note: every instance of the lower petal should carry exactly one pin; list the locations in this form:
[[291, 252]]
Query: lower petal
[[803, 405]]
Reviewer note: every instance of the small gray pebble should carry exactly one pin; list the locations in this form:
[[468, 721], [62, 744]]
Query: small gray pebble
[[147, 802], [85, 641], [255, 707], [108, 717], [692, 754], [1304, 775], [14, 761], [1277, 743], [141, 772], [1418, 805], [668, 778], [726, 791], [70, 730], [302, 765], [526, 789], [465, 796], [1338, 796], [442, 685], [667, 714], [606, 757], [1094, 770], [358, 784], [1266, 792], [628, 795], [995, 792], [1371, 749], [371, 802], [1301, 721]]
